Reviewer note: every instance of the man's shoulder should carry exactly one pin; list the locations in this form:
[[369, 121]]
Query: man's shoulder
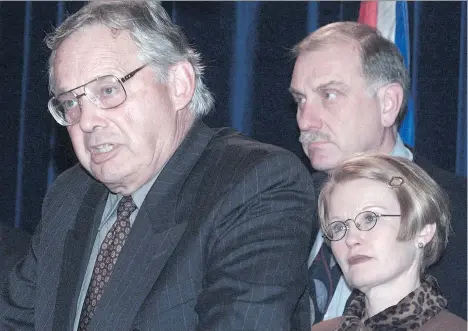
[[452, 265], [230, 138], [231, 158], [234, 145], [74, 181], [13, 241], [14, 245], [446, 179], [454, 185], [74, 173]]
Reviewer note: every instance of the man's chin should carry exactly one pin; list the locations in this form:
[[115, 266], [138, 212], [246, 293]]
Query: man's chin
[[321, 167], [324, 157], [109, 176], [322, 163], [113, 183]]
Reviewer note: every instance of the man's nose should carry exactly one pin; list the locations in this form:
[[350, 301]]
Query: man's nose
[[309, 117], [91, 116]]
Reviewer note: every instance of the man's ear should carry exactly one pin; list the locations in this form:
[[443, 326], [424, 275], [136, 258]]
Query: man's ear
[[390, 98], [181, 84], [426, 234]]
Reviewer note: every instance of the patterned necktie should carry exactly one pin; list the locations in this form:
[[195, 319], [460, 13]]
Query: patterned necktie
[[106, 259], [324, 274]]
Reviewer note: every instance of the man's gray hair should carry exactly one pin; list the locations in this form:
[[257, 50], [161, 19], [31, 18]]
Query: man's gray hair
[[161, 42], [381, 61]]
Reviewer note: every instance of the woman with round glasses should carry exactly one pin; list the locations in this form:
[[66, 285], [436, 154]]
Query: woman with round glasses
[[386, 221]]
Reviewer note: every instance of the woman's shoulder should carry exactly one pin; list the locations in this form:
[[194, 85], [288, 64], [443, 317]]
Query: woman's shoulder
[[446, 321], [328, 325]]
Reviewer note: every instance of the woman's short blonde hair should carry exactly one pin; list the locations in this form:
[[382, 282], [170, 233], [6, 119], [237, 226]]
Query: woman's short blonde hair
[[422, 200]]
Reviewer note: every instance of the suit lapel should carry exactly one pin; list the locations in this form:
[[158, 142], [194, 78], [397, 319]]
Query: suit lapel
[[154, 235], [77, 248]]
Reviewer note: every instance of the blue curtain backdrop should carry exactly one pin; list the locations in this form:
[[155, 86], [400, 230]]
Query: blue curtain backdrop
[[245, 46]]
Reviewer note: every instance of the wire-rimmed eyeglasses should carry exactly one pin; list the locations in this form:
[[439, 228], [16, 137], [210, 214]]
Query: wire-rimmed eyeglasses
[[364, 221], [106, 92]]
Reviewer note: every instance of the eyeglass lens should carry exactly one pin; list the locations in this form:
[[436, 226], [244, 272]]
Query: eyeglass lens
[[364, 221], [105, 92]]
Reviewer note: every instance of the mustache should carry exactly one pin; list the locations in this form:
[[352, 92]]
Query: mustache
[[307, 137]]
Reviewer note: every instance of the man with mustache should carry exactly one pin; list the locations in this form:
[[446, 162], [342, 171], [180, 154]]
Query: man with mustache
[[351, 88]]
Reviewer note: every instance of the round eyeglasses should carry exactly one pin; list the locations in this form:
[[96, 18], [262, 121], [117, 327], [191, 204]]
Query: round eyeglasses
[[106, 92], [364, 221]]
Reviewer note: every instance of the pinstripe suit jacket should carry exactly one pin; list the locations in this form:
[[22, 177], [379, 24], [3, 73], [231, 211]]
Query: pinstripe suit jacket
[[220, 243], [13, 246]]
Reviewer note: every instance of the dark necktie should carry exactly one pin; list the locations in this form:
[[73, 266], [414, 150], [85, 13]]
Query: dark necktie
[[324, 274], [106, 259]]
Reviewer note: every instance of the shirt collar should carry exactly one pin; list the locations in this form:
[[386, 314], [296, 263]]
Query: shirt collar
[[401, 150]]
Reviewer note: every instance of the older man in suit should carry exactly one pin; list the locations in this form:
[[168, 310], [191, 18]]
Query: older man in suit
[[351, 87], [165, 224]]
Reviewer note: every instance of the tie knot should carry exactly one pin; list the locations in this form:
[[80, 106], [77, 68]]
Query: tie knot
[[126, 206]]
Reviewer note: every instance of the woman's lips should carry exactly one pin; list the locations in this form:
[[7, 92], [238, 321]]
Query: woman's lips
[[357, 259]]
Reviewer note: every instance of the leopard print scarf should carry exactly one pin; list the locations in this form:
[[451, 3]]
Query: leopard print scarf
[[409, 314]]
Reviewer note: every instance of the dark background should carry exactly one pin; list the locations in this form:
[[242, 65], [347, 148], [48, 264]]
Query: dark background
[[245, 47]]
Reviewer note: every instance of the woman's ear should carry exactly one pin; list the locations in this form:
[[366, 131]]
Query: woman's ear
[[181, 84], [426, 235]]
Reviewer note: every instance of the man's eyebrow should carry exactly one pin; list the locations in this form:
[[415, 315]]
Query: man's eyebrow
[[295, 92], [58, 91], [330, 84]]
